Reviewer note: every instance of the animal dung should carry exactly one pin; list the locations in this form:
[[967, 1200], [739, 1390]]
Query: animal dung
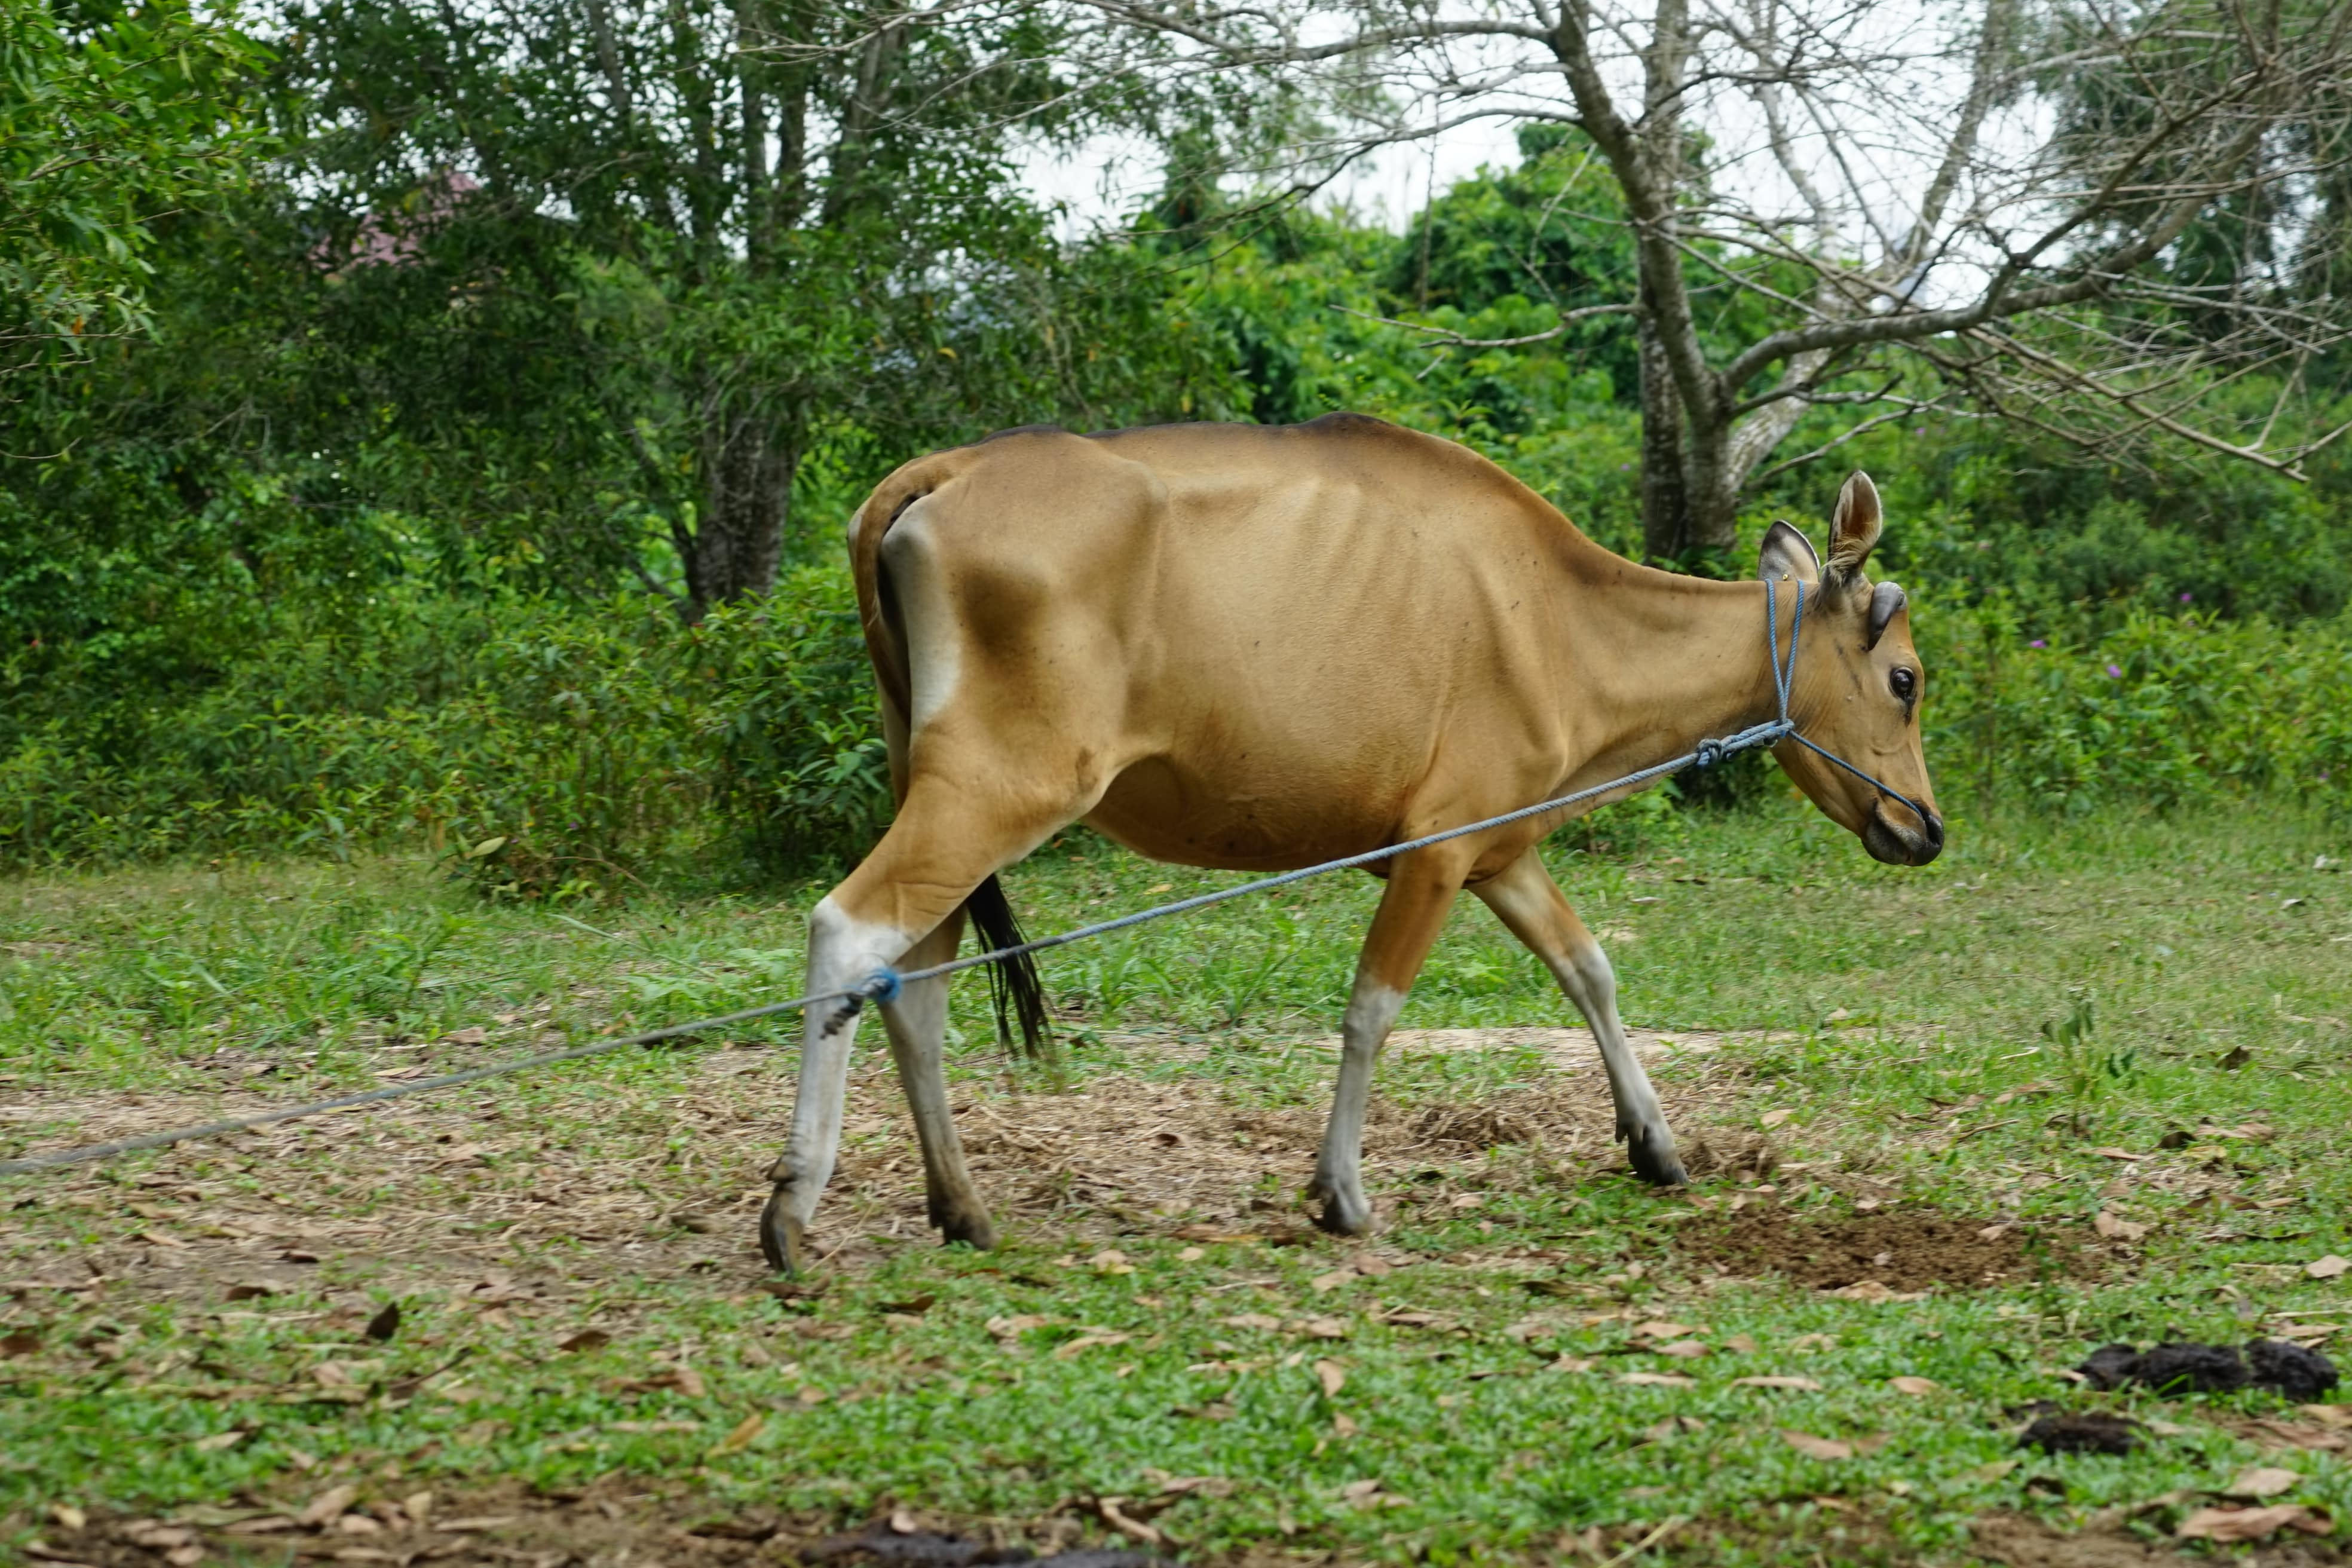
[[2081, 1434], [2181, 1367]]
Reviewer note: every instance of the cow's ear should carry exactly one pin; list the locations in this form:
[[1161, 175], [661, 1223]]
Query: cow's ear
[[1788, 553], [1854, 526]]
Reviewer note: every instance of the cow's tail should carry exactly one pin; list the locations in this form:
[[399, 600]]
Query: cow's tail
[[1015, 985]]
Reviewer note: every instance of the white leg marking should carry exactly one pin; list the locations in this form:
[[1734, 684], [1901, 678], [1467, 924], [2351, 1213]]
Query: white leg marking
[[1339, 1169], [841, 952]]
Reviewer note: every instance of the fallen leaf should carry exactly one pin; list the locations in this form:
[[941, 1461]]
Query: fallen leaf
[[471, 1036], [1873, 1290], [2111, 1152], [1354, 1491], [1659, 1329], [1774, 1118], [1015, 1327], [1744, 1343], [2116, 1229], [68, 1517], [904, 1522], [1257, 1321], [1373, 1268], [741, 1437], [482, 1521], [1331, 1281], [1133, 1528], [1683, 1349], [2227, 1525], [1321, 1328], [1814, 1447], [418, 1506], [268, 1524], [1657, 1380], [219, 1440], [1795, 1384], [1916, 1388], [1111, 1260], [1332, 1376], [328, 1504], [1342, 1424], [2328, 1415], [1993, 1232], [2327, 1268], [1086, 1342], [386, 1323], [586, 1340], [1571, 1363], [2264, 1481]]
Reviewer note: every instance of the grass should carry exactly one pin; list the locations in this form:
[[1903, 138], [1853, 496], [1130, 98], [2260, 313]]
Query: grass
[[1878, 1018]]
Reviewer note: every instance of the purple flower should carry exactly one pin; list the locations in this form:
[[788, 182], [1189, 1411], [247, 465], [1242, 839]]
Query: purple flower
[[2115, 672], [2037, 642], [2185, 597]]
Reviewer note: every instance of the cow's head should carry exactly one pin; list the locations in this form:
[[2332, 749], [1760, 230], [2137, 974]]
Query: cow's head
[[1858, 684]]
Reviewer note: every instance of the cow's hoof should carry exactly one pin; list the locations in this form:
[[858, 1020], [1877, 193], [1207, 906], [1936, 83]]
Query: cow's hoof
[[783, 1237], [1653, 1159], [969, 1227], [1341, 1214]]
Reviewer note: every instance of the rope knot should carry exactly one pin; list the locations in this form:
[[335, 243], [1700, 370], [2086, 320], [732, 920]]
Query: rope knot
[[883, 985], [1710, 753]]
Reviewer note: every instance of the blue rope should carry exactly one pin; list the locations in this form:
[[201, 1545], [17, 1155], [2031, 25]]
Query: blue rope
[[885, 986]]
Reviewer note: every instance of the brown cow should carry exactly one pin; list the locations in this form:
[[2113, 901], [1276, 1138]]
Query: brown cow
[[1258, 648]]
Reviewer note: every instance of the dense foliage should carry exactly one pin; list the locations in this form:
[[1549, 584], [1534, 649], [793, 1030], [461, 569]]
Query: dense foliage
[[387, 536]]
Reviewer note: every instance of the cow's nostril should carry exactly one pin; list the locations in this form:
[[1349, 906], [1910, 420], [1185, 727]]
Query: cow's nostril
[[1935, 830]]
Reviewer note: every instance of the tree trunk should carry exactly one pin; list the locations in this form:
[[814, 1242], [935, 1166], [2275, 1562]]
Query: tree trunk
[[1665, 504], [738, 539]]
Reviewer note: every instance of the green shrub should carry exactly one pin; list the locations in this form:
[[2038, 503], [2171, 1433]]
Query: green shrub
[[541, 746], [2163, 711], [547, 747]]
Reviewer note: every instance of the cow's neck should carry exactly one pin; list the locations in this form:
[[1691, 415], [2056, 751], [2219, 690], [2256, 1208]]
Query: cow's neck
[[1660, 662]]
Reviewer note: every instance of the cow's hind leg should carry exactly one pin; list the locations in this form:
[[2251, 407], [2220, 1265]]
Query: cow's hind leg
[[937, 850], [918, 1025], [1421, 890], [1526, 900]]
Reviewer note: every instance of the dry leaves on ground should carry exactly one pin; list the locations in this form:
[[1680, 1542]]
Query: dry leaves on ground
[[2264, 1481], [1916, 1388], [2230, 1524], [1814, 1447]]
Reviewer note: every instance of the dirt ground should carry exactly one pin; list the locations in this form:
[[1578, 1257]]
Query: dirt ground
[[671, 1183]]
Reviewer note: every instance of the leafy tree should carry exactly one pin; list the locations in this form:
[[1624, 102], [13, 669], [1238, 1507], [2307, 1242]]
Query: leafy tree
[[745, 230], [111, 119]]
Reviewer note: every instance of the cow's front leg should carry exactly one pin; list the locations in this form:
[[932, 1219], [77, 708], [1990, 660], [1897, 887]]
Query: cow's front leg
[[1527, 900], [1421, 887]]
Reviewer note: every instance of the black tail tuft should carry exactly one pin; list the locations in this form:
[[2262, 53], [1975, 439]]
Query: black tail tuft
[[1012, 983]]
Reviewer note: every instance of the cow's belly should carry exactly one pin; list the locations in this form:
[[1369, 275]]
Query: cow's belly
[[1249, 819]]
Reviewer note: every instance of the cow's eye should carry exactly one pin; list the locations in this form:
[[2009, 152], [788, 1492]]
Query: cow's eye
[[1904, 683]]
